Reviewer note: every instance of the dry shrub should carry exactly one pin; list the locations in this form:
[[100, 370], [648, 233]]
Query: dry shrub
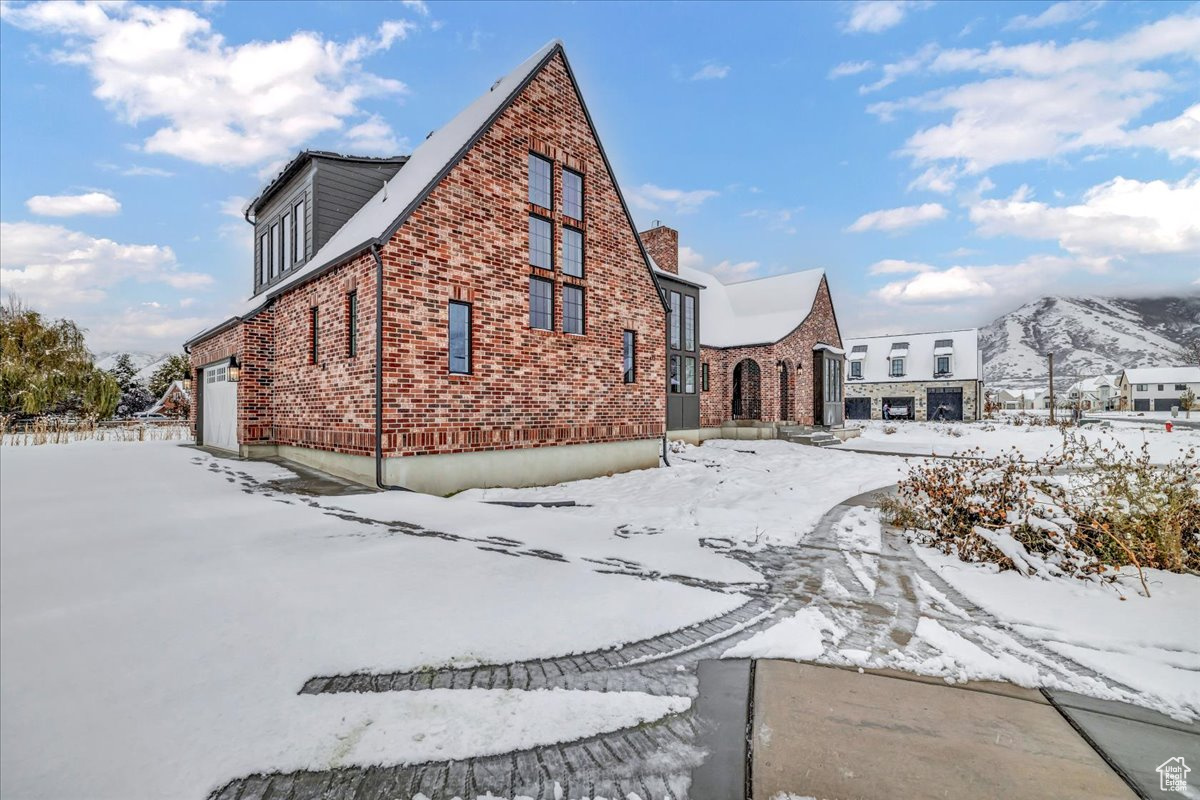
[[62, 430], [1083, 513]]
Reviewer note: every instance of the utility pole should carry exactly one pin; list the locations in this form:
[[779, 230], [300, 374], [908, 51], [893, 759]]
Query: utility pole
[[1050, 357]]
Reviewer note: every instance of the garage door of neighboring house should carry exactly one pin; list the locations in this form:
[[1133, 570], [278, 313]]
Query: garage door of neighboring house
[[944, 403], [858, 408], [219, 412], [1142, 405], [1165, 403], [901, 407]]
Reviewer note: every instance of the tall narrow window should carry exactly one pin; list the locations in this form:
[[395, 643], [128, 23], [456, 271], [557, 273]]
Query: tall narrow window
[[287, 242], [299, 231], [689, 375], [628, 355], [855, 369], [689, 322], [264, 257], [541, 304], [674, 320], [572, 252], [541, 243], [460, 338], [352, 323], [572, 309], [540, 190], [275, 248], [312, 335], [572, 185], [704, 377], [675, 377]]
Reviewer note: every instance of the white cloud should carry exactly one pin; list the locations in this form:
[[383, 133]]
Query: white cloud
[[649, 197], [373, 137], [711, 71], [211, 102], [850, 68], [894, 266], [50, 265], [936, 179], [876, 16], [896, 219], [235, 206], [776, 219], [960, 284], [99, 204], [146, 327], [1120, 217], [732, 271], [418, 6], [956, 283], [1179, 137], [1057, 14]]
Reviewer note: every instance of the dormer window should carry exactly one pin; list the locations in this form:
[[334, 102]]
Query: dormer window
[[897, 358], [856, 369], [857, 354], [943, 365], [943, 350], [897, 368]]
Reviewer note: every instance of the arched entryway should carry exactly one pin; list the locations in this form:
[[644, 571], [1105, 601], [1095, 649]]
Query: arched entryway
[[747, 388], [785, 392]]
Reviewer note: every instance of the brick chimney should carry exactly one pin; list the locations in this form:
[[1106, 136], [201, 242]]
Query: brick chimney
[[662, 243]]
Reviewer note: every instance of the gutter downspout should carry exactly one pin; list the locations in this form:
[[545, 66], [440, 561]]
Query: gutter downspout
[[379, 373]]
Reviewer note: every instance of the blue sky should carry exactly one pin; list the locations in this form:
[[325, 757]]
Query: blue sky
[[944, 162]]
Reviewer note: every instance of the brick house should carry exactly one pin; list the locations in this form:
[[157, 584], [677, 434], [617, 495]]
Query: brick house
[[767, 350], [920, 376], [479, 313]]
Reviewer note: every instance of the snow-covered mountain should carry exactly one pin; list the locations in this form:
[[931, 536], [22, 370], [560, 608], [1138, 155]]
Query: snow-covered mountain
[[146, 363], [1088, 336]]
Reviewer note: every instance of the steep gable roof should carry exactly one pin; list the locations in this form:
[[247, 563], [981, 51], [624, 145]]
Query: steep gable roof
[[379, 218], [758, 311]]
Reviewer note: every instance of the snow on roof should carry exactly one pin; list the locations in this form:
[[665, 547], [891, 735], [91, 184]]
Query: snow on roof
[[441, 149], [1093, 384], [1163, 375], [918, 349], [758, 311]]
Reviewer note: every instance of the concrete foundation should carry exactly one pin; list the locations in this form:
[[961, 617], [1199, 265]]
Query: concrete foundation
[[453, 472]]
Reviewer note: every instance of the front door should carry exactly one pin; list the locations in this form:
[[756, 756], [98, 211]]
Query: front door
[[833, 408]]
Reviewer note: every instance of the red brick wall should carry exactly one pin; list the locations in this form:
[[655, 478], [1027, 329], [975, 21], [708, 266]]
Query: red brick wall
[[468, 241], [796, 349], [215, 348], [663, 245]]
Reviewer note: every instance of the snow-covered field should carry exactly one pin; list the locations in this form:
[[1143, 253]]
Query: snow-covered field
[[158, 623]]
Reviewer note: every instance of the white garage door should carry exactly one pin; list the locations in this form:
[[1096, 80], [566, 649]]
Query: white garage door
[[220, 408]]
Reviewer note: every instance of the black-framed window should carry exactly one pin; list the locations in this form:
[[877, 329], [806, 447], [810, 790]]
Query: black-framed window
[[541, 184], [897, 367], [264, 256], [573, 309], [460, 337], [1181, 387], [299, 233], [675, 320], [541, 242], [856, 369], [689, 322], [572, 252], [676, 383], [572, 183], [541, 304], [1141, 387], [313, 331], [275, 250], [1160, 387], [352, 323], [704, 377], [629, 356], [943, 365], [689, 375], [286, 240]]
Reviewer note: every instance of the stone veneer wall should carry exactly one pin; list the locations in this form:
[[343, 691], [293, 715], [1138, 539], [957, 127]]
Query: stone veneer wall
[[915, 390]]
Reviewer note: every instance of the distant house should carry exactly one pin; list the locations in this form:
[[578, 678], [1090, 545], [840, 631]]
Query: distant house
[[1101, 393], [175, 402], [920, 376], [1019, 399], [1157, 388]]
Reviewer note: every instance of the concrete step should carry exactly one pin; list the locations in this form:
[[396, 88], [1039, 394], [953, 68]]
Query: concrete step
[[815, 439]]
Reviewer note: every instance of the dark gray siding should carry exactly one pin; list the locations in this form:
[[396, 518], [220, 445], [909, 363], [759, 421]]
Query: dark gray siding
[[683, 408], [340, 189], [299, 187]]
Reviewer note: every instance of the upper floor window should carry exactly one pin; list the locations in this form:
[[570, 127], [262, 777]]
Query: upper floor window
[[943, 365], [897, 367], [540, 184], [1141, 387], [1181, 387], [275, 250], [1160, 387], [541, 304], [264, 256], [674, 320], [856, 369], [572, 183], [572, 252], [541, 242], [689, 322], [573, 309], [286, 240], [460, 338], [628, 355], [299, 233]]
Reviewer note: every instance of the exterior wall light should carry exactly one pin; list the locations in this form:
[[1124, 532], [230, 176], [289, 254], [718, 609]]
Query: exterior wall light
[[235, 370]]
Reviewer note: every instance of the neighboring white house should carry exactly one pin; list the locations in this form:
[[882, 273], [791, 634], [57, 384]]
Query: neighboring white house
[[1157, 388], [1101, 393], [935, 375], [1019, 399]]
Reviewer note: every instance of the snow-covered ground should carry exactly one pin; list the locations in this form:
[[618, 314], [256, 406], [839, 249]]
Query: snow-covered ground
[[994, 437], [158, 623]]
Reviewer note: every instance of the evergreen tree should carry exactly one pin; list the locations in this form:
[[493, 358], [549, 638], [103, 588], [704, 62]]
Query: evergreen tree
[[135, 396], [175, 368]]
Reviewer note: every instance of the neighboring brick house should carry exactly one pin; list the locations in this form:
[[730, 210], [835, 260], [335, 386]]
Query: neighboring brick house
[[915, 376], [175, 402], [768, 350], [521, 319]]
